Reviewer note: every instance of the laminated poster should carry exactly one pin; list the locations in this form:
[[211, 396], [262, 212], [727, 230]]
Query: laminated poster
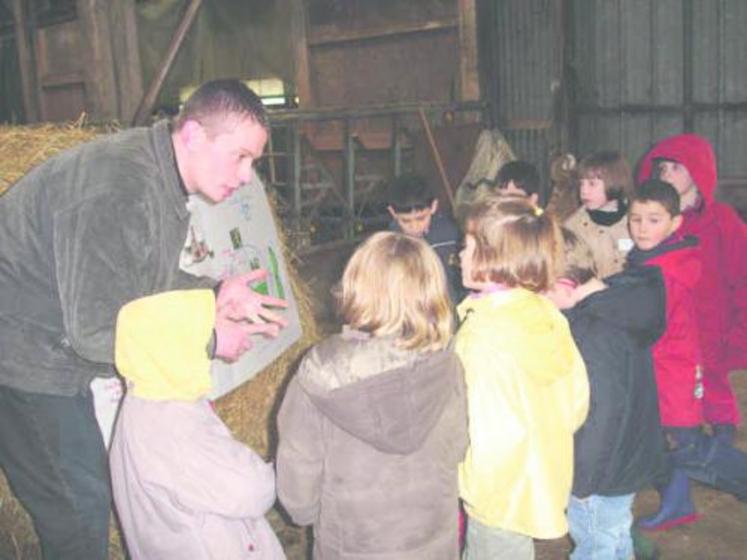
[[233, 237]]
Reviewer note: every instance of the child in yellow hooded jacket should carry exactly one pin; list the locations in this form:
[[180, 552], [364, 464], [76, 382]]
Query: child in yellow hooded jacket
[[183, 486], [527, 387]]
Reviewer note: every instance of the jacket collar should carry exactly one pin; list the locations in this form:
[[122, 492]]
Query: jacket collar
[[164, 149]]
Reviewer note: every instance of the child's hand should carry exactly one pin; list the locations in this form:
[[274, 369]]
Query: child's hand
[[233, 338], [238, 301]]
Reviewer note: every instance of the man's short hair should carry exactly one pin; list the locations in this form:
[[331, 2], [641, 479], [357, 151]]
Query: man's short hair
[[579, 264], [656, 190], [410, 193], [221, 98], [522, 173]]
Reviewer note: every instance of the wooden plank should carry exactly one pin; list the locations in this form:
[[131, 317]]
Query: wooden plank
[[437, 158], [298, 24], [128, 71], [328, 37], [468, 66], [146, 104], [24, 36], [101, 87]]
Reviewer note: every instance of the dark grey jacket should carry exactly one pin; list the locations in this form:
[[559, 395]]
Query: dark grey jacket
[[83, 233], [370, 440]]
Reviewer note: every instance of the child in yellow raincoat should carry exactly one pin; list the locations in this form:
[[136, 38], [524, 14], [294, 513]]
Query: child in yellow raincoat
[[527, 388]]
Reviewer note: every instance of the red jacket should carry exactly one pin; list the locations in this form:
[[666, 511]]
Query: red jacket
[[677, 353], [721, 294]]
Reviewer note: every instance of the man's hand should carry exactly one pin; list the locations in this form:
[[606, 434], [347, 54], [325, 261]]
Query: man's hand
[[233, 338], [238, 301]]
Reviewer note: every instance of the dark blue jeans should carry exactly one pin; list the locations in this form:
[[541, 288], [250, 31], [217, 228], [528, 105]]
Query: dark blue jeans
[[709, 460], [53, 455]]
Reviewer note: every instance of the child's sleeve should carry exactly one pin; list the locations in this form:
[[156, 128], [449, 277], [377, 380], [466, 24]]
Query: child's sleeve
[[300, 455], [580, 389], [735, 251]]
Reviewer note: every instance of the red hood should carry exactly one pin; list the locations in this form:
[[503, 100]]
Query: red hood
[[692, 151]]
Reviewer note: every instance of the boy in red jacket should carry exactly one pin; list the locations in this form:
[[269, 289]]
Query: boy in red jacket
[[687, 162], [655, 222]]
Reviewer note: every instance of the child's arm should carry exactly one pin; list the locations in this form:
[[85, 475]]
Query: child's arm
[[300, 455]]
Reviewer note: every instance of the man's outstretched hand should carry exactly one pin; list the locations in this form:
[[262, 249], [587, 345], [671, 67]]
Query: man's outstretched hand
[[239, 302]]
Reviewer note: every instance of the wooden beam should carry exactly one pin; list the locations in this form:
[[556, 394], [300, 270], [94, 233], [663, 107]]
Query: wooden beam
[[149, 99], [26, 60], [468, 67], [101, 87], [437, 158], [300, 49], [128, 71], [327, 37]]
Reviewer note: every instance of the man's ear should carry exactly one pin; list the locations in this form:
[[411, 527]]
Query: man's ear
[[434, 206], [193, 134]]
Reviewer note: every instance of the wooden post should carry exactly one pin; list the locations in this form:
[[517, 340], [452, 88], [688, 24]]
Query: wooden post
[[149, 99], [26, 60], [128, 71], [101, 88], [300, 49], [437, 158], [468, 66]]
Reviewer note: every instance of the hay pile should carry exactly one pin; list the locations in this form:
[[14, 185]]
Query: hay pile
[[249, 410]]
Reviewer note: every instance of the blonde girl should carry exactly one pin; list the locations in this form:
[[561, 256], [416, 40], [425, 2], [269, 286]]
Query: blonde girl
[[373, 425], [605, 186], [527, 390]]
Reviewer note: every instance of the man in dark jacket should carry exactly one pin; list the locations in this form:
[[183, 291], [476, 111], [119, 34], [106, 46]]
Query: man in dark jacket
[[619, 450], [82, 234]]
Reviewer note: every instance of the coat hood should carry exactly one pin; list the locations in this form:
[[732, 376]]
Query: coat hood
[[692, 151], [635, 301], [387, 397], [162, 355], [523, 323]]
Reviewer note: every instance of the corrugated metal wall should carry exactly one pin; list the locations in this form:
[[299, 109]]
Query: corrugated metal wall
[[644, 69], [522, 69], [630, 71]]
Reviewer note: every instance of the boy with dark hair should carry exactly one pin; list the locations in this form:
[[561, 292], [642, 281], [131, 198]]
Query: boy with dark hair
[[619, 449], [519, 177], [414, 211], [688, 162], [654, 221]]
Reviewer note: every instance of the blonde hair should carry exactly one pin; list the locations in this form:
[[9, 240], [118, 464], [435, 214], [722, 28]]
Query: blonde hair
[[516, 244], [579, 260], [612, 168], [395, 285]]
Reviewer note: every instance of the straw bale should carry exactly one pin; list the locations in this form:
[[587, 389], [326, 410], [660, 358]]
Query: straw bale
[[249, 410]]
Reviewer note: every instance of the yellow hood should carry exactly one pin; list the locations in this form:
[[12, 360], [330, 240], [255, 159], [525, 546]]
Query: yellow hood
[[161, 344], [526, 325]]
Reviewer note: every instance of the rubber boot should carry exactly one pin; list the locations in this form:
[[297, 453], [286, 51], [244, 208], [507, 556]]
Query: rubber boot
[[725, 433], [676, 506], [643, 547]]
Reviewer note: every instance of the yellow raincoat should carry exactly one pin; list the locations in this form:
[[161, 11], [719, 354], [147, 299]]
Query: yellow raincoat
[[527, 393]]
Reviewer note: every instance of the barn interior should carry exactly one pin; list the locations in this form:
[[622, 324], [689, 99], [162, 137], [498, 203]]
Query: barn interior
[[360, 92]]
